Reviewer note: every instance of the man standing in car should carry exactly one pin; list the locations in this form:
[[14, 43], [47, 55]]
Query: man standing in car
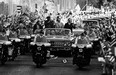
[[58, 23], [49, 23], [69, 24]]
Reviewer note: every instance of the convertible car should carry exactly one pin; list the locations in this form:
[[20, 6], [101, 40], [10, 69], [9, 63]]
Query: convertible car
[[60, 39]]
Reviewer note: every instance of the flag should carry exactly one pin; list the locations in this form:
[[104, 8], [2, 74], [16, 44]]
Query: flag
[[77, 8]]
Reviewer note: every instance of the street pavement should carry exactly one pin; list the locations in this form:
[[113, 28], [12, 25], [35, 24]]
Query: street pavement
[[23, 65]]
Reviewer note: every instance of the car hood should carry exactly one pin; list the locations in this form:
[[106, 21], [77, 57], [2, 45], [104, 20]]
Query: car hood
[[59, 38]]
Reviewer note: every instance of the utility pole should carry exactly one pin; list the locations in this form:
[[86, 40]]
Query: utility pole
[[86, 4]]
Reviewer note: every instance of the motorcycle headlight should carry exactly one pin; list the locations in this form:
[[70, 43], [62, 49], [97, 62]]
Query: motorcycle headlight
[[38, 48]]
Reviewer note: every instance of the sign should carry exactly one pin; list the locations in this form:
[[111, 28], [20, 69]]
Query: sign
[[19, 9]]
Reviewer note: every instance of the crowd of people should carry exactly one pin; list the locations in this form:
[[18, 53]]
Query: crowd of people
[[15, 22], [104, 27]]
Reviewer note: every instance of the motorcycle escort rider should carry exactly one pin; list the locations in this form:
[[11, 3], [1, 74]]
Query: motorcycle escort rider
[[82, 39], [41, 38]]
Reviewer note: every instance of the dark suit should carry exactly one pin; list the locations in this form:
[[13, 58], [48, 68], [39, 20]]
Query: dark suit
[[49, 24], [69, 26]]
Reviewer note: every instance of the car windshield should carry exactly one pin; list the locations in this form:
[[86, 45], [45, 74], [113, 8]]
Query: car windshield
[[82, 41], [3, 37], [57, 32]]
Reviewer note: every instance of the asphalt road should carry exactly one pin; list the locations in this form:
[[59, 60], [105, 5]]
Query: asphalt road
[[23, 65]]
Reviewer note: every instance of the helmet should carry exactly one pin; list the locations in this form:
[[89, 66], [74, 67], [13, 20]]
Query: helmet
[[41, 32]]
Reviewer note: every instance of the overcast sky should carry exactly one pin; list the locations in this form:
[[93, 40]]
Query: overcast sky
[[14, 1]]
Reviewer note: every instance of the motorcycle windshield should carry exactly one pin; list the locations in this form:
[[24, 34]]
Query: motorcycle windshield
[[41, 39], [13, 35], [82, 41], [37, 31], [92, 36], [23, 32]]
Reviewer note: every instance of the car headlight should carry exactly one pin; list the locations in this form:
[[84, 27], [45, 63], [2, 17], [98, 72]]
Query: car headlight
[[88, 46], [80, 50]]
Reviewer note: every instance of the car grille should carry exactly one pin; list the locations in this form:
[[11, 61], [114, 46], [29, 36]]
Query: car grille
[[60, 44]]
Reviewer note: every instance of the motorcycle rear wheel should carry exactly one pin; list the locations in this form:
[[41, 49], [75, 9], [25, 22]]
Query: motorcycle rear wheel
[[38, 65]]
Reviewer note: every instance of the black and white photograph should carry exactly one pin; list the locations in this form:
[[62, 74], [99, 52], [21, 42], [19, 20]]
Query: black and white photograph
[[57, 37]]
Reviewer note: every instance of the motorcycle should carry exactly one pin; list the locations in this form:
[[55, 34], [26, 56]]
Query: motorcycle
[[96, 44], [81, 54], [15, 43], [6, 49], [39, 52], [25, 41]]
